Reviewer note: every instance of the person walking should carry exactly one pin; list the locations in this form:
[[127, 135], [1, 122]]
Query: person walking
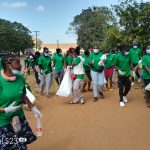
[[36, 67], [78, 71], [108, 69], [146, 74], [44, 63], [58, 60], [12, 96], [87, 78], [122, 65], [135, 54], [97, 73]]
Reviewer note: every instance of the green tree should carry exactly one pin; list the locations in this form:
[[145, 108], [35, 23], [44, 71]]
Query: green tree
[[91, 25], [133, 22], [14, 37]]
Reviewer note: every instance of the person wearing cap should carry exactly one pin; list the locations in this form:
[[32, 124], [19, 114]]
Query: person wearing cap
[[44, 63], [135, 53], [58, 62], [146, 74]]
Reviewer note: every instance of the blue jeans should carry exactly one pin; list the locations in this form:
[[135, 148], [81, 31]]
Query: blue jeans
[[98, 82], [47, 78]]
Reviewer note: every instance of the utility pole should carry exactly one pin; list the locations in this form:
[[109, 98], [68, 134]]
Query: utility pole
[[57, 44], [36, 34]]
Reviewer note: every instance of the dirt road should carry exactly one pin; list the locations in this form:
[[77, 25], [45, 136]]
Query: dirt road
[[102, 125]]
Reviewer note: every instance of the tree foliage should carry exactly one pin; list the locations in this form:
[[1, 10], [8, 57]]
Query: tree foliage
[[127, 22], [133, 21], [90, 26], [14, 37]]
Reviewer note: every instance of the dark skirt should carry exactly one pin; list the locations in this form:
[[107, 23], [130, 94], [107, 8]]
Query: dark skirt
[[11, 141]]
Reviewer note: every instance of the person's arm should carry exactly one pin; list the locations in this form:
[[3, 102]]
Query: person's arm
[[144, 64], [32, 107], [76, 61], [2, 109], [147, 69], [25, 98]]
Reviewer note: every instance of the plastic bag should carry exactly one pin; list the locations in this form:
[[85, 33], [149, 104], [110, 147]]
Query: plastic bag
[[65, 88], [101, 62], [30, 96], [147, 87]]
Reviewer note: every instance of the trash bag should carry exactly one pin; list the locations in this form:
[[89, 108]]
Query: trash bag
[[65, 88], [147, 87]]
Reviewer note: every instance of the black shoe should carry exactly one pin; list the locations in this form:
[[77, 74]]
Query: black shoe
[[101, 95], [95, 99]]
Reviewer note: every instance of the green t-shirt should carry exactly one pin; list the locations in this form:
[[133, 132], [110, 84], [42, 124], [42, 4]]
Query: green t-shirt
[[37, 60], [109, 61], [77, 60], [58, 62], [11, 91], [146, 62], [86, 63], [45, 63], [123, 64], [135, 55], [69, 60], [31, 63], [116, 55], [95, 58]]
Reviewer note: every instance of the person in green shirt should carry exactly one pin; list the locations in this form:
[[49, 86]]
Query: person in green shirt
[[44, 63], [115, 54], [12, 96], [30, 63], [108, 68], [146, 73], [122, 64], [70, 57], [97, 73], [135, 54], [78, 71], [87, 78], [36, 67], [58, 60]]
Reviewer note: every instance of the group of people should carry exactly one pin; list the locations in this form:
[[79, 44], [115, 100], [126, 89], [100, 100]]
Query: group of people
[[91, 66], [97, 67]]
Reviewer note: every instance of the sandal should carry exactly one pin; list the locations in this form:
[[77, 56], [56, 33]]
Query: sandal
[[73, 102]]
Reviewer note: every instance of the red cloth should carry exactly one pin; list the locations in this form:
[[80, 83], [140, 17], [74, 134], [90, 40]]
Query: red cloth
[[108, 72]]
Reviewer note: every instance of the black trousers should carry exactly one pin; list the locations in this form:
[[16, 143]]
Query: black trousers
[[124, 85], [88, 73], [136, 72], [146, 82]]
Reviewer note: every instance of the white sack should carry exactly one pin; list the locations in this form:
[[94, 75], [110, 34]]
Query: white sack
[[147, 87], [65, 88]]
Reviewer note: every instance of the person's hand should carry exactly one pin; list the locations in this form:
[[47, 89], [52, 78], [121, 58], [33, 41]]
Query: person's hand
[[90, 64], [36, 112], [12, 108], [121, 72]]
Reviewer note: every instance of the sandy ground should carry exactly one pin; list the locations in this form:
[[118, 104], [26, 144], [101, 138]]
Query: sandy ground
[[93, 126]]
